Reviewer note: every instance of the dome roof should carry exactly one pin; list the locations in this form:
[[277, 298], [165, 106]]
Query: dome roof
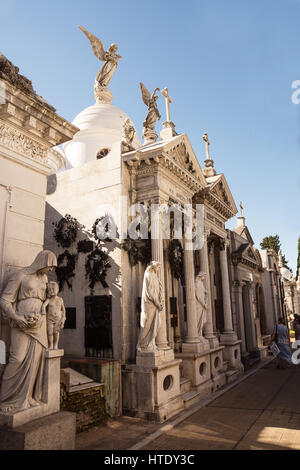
[[100, 127], [100, 115]]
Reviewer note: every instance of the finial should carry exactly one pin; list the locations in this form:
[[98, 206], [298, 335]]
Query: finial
[[168, 130], [241, 209], [209, 163]]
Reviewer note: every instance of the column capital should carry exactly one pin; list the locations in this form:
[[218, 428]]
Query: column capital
[[223, 243]]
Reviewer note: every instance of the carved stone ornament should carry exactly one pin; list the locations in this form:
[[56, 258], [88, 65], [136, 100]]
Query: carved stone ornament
[[15, 140], [128, 133]]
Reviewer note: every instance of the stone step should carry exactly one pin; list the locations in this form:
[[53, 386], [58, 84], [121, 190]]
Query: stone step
[[185, 385], [74, 381], [190, 398]]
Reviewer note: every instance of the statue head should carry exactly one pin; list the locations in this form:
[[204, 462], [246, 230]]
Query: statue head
[[45, 261], [113, 48], [52, 289], [154, 266]]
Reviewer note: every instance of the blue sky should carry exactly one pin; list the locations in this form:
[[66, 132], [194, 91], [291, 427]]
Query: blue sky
[[229, 66]]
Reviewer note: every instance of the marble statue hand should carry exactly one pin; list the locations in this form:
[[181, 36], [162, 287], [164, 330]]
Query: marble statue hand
[[20, 321]]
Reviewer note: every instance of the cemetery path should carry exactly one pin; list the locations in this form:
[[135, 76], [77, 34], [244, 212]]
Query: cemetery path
[[261, 412]]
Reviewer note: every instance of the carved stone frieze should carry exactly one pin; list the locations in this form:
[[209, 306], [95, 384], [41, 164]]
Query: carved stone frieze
[[15, 140]]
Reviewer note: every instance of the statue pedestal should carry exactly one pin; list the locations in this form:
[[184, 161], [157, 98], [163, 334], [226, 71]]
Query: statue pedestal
[[168, 130], [149, 136], [14, 423], [102, 94], [151, 388], [154, 358]]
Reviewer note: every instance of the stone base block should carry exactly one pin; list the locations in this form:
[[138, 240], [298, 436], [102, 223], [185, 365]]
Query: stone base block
[[196, 367], [216, 361], [232, 354], [152, 392], [219, 381], [154, 358], [199, 347], [263, 352], [54, 432]]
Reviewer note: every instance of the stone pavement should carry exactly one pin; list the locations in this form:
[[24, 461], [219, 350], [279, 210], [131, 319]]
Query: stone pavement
[[260, 413]]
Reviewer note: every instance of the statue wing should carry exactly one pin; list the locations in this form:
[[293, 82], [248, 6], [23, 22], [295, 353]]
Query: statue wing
[[153, 94], [145, 94], [96, 44]]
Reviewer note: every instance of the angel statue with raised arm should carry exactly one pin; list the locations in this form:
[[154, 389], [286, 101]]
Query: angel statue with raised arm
[[111, 59], [153, 113]]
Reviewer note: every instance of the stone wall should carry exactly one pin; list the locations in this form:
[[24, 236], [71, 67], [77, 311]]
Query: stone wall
[[88, 404]]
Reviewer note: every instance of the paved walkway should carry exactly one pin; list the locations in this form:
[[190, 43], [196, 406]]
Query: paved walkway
[[260, 413]]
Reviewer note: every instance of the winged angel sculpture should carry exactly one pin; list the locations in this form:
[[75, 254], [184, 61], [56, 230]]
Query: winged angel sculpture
[[111, 59], [153, 113]]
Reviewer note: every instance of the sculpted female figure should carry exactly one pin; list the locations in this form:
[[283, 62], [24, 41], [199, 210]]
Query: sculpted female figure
[[151, 308], [202, 298], [21, 304]]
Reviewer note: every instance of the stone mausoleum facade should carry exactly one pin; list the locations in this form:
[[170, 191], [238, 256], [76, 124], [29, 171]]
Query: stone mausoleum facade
[[60, 182]]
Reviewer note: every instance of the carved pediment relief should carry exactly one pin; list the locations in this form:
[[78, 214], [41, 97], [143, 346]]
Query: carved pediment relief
[[250, 254], [220, 192], [181, 156]]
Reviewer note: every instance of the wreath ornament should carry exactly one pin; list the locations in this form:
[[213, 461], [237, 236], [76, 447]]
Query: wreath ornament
[[109, 223], [138, 250], [65, 272], [96, 267], [66, 230], [176, 259]]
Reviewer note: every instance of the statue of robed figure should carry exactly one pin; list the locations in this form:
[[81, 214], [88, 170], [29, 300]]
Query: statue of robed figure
[[104, 76], [151, 308]]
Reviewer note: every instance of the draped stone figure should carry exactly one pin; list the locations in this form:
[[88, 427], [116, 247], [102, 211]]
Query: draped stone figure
[[202, 301], [153, 113], [104, 76], [21, 304], [151, 308]]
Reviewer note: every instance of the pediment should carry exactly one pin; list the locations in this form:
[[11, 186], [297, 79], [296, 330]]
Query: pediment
[[244, 232], [219, 189], [181, 151]]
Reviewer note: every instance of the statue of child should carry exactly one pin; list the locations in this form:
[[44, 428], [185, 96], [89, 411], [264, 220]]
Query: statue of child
[[54, 308]]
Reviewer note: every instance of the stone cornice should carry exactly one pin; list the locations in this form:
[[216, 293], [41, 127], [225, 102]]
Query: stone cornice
[[147, 164], [39, 119]]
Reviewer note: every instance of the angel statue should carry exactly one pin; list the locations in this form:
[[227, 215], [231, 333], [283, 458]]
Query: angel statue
[[153, 113], [111, 59]]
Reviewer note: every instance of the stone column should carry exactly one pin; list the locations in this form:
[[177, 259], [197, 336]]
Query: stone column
[[158, 255], [238, 290], [228, 334], [254, 316], [208, 327]]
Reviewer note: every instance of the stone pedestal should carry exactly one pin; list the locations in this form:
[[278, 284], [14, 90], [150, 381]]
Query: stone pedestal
[[42, 423], [54, 432], [232, 354], [149, 136], [50, 397], [151, 388], [168, 130]]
